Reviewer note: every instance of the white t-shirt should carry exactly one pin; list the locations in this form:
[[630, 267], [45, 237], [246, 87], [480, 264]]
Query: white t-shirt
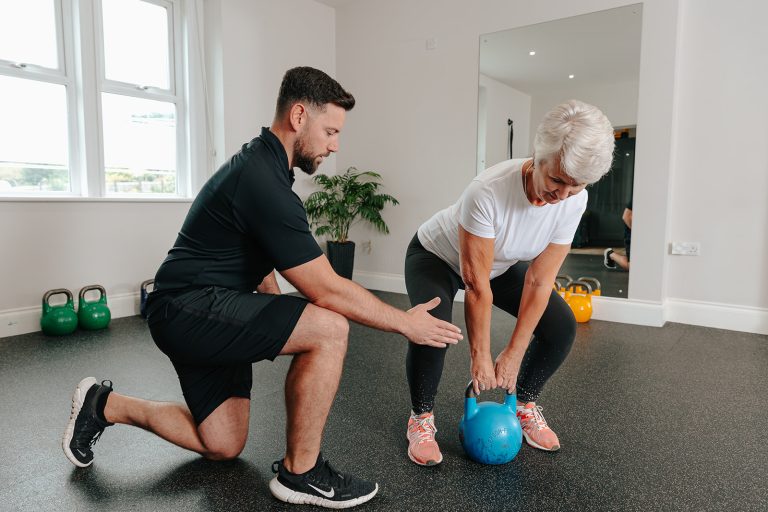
[[494, 205]]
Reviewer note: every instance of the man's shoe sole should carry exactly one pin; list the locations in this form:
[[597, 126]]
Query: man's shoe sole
[[287, 495], [536, 445], [77, 403]]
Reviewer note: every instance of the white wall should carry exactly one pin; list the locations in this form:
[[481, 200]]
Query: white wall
[[70, 244], [416, 123], [721, 166], [504, 102], [258, 40], [52, 244], [618, 101], [416, 119], [701, 161]]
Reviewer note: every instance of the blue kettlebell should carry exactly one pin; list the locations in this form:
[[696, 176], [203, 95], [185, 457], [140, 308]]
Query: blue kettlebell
[[490, 432]]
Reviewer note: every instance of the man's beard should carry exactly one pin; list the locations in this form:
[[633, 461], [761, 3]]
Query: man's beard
[[302, 159]]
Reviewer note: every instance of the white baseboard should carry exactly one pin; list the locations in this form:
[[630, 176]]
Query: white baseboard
[[719, 316], [604, 308], [626, 311], [706, 314], [380, 281], [25, 320]]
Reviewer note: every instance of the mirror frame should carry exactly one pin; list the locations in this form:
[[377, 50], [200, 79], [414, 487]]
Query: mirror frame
[[653, 157]]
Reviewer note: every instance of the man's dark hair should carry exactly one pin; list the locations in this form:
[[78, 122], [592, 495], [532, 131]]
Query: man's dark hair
[[313, 86]]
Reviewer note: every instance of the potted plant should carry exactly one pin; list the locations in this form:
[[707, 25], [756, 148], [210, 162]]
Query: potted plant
[[343, 200]]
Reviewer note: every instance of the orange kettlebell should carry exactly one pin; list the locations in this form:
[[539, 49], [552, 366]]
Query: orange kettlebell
[[562, 281], [595, 285], [580, 303]]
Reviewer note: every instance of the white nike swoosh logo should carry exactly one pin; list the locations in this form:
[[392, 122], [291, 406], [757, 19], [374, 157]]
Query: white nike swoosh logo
[[81, 453], [327, 494]]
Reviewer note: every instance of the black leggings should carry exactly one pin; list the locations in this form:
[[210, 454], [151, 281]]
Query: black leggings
[[427, 276]]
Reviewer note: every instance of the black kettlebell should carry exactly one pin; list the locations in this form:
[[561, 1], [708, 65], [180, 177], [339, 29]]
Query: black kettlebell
[[144, 295]]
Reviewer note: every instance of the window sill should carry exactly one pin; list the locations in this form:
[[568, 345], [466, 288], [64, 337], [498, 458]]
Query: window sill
[[74, 199]]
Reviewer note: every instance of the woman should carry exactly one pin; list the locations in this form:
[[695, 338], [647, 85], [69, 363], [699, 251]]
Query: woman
[[518, 211]]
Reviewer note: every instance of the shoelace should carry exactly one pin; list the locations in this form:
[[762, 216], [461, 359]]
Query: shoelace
[[87, 434], [534, 413], [327, 475], [425, 428]]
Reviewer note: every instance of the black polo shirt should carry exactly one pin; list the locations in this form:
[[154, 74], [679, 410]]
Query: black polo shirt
[[245, 222]]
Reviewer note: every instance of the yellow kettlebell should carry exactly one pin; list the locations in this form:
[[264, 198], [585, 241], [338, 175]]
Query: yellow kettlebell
[[562, 282], [595, 285], [580, 303]]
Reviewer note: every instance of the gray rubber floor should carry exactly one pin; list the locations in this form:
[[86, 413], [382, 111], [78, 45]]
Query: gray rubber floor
[[614, 282], [650, 419]]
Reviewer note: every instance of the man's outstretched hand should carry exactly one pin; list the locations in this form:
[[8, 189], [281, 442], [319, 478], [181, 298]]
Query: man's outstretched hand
[[425, 329]]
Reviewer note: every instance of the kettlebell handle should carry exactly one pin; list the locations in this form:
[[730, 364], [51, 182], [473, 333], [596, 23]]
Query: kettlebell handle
[[86, 289], [564, 277], [470, 391], [146, 284], [595, 283], [51, 293], [574, 284]]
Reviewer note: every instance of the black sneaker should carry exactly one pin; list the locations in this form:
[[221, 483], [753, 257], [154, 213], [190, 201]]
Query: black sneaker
[[322, 486], [607, 261], [85, 424]]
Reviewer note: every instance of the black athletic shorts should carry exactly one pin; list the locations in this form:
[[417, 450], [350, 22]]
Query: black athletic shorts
[[212, 335]]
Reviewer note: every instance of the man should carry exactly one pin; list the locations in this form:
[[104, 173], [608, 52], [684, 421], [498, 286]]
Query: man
[[245, 223], [610, 257]]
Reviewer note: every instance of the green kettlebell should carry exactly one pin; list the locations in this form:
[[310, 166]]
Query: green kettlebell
[[58, 320], [93, 315]]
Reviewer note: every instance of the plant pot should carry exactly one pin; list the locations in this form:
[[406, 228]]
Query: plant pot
[[342, 257]]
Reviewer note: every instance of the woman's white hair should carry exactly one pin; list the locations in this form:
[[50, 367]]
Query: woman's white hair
[[581, 136]]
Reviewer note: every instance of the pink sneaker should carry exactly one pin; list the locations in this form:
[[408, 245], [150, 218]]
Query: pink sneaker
[[535, 429], [422, 447]]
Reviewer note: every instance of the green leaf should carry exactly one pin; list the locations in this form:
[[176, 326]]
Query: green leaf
[[344, 199]]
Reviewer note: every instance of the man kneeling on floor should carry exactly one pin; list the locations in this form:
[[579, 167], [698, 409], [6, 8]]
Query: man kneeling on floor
[[245, 223]]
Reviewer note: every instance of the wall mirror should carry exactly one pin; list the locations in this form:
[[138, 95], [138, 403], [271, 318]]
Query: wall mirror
[[527, 70]]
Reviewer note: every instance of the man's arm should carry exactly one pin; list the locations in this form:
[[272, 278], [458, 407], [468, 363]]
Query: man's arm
[[536, 291], [317, 281], [476, 255], [269, 285]]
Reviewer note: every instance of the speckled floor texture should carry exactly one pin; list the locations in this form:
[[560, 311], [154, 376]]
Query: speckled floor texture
[[650, 419], [613, 282]]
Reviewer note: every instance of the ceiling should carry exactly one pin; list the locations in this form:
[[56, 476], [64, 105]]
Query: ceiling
[[597, 48]]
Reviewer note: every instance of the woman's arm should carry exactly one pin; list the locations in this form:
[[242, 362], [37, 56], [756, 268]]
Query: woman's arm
[[476, 260], [536, 291]]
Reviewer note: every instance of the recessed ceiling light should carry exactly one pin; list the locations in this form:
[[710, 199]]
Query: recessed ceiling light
[[532, 52], [571, 76]]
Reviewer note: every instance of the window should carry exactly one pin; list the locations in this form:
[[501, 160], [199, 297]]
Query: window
[[92, 99]]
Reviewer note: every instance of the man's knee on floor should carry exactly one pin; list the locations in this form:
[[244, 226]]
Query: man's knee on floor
[[224, 450]]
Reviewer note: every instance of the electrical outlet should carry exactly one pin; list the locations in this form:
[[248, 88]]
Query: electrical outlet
[[685, 248]]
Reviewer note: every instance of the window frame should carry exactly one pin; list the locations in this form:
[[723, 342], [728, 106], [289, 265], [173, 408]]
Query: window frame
[[81, 70], [61, 75]]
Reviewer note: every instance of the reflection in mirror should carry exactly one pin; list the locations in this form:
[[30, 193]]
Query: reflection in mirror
[[526, 71]]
